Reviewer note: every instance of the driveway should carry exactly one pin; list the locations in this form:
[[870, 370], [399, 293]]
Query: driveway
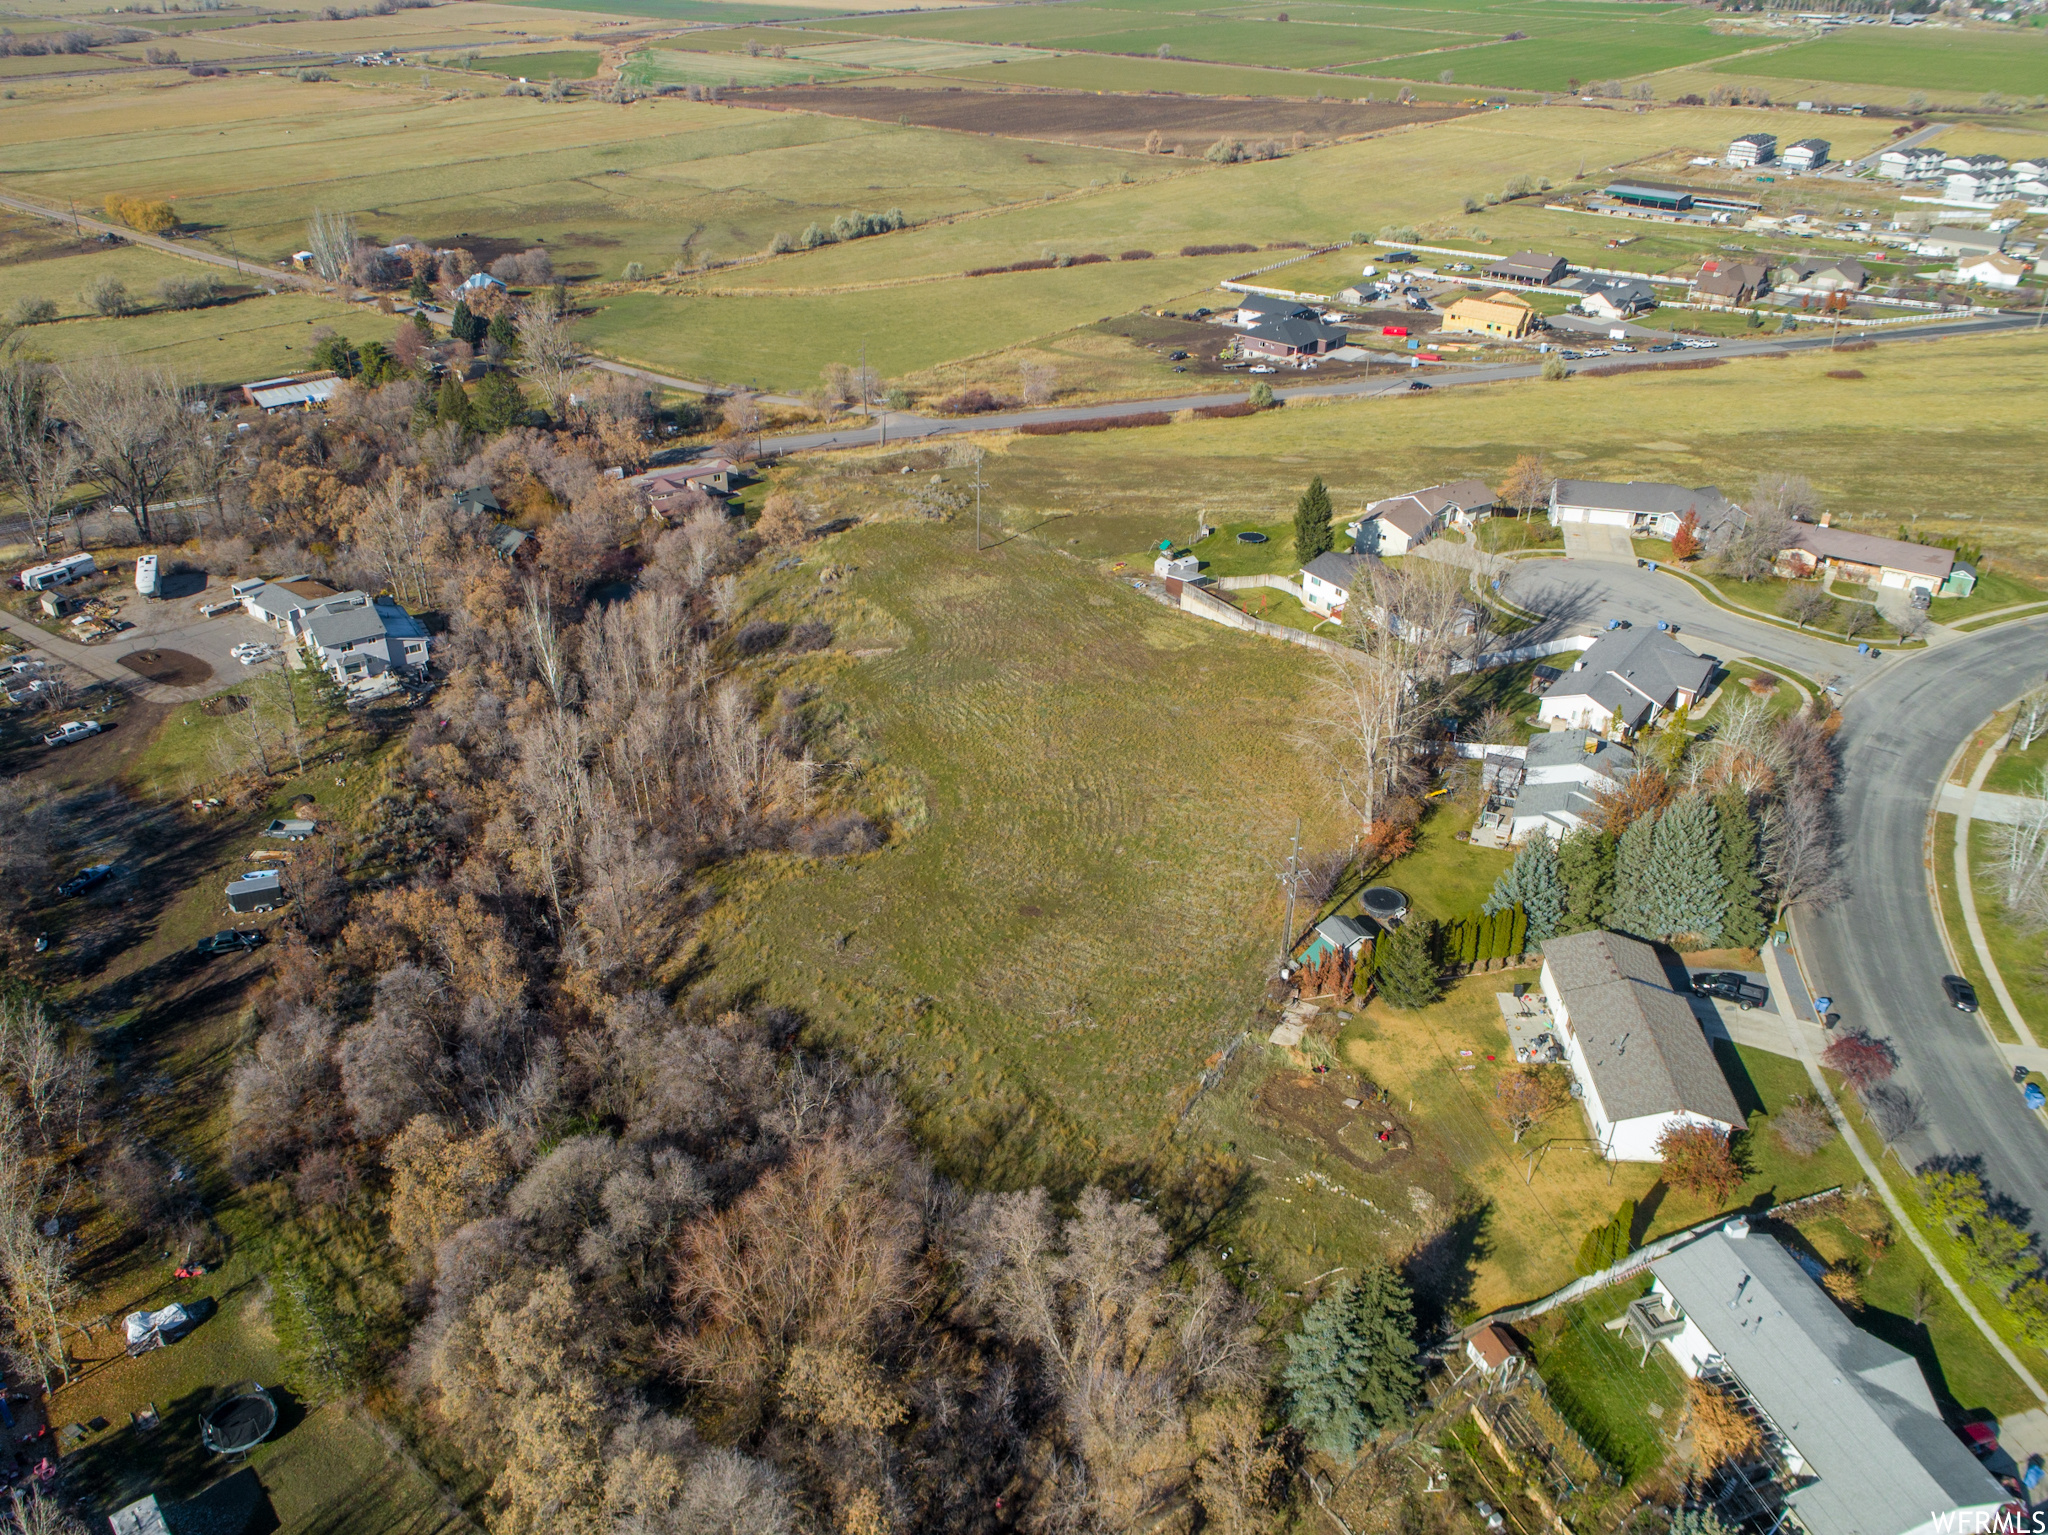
[[171, 627], [1597, 541]]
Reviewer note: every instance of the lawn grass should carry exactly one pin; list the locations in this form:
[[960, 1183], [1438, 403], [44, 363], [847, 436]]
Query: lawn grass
[[2016, 951], [1928, 60], [697, 10], [1944, 870], [1782, 701], [1604, 1387], [1994, 589], [1222, 555], [2018, 771], [1294, 44], [1506, 535]]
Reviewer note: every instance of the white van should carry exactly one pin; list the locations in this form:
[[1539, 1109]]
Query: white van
[[145, 575], [40, 578]]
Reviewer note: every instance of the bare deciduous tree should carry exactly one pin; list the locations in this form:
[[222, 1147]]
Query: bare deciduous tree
[[547, 356], [38, 462], [134, 424], [331, 237], [2030, 723]]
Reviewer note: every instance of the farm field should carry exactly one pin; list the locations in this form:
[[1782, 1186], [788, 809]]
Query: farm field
[[1293, 45], [673, 66], [1551, 63], [601, 185], [229, 344], [552, 64], [2013, 62], [35, 262], [1105, 121], [901, 53], [1100, 72], [708, 11]]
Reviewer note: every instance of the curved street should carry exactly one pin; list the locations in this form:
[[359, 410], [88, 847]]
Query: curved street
[[1878, 952]]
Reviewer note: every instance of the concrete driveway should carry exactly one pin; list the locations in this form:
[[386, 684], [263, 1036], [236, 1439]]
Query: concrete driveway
[[172, 624], [1597, 541]]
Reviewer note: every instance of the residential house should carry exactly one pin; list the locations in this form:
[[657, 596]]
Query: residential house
[[1326, 582], [1530, 268], [1257, 308], [515, 546], [284, 605], [1753, 149], [1286, 337], [480, 282], [1644, 507], [1501, 315], [1948, 240], [1339, 934], [1805, 155], [360, 636], [1394, 526], [1888, 563], [1625, 680], [1460, 503], [1979, 186], [1953, 164], [2030, 170], [1727, 284], [299, 391], [1991, 271], [1909, 164], [1824, 275], [1613, 298], [1851, 1430], [1636, 1049], [1564, 774], [480, 499]]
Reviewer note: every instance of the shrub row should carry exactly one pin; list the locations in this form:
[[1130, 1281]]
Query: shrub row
[[1099, 424], [1015, 266], [974, 401], [1676, 365], [1218, 250], [1214, 412], [1136, 255]]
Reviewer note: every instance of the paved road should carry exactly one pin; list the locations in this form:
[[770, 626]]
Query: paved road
[[901, 426], [1879, 953]]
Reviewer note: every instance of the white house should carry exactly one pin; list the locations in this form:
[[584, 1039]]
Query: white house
[[1614, 298], [1806, 155], [360, 636], [479, 282], [1753, 149], [1394, 526], [1991, 271], [1645, 507], [1563, 776], [1636, 1050], [1457, 503], [1909, 164], [1848, 1421], [285, 604], [1326, 582], [1624, 681], [1978, 186]]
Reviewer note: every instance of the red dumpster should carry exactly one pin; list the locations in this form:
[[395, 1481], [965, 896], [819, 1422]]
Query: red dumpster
[[1393, 330]]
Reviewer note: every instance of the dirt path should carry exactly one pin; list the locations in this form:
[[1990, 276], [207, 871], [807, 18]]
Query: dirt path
[[186, 249]]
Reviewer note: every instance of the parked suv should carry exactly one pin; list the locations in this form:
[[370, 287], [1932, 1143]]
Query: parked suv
[[229, 941], [1730, 986]]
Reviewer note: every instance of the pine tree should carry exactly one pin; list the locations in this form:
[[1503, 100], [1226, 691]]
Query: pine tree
[[1743, 926], [1533, 883], [1312, 535], [452, 404], [1585, 861], [461, 322], [498, 402], [1634, 907], [1518, 938], [1351, 1370], [1407, 968], [1685, 872]]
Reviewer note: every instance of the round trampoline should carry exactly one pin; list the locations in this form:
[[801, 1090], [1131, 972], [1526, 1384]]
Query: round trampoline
[[1383, 903], [240, 1423], [1251, 538]]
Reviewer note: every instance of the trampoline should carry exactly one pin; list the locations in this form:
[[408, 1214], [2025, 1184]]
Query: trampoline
[[1251, 538], [240, 1423], [1384, 904]]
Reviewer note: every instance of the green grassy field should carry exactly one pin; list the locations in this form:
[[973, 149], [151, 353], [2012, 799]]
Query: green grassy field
[[1551, 63], [1922, 59], [39, 260], [558, 64], [696, 10], [904, 53], [601, 185], [1096, 72], [230, 344], [2020, 954], [1293, 45], [673, 66]]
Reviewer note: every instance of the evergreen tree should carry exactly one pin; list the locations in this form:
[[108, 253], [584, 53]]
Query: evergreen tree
[[1605, 1246], [1351, 1370], [461, 321], [1743, 927], [1585, 861], [1518, 939], [424, 326], [1685, 872], [503, 331], [452, 404], [1407, 968], [1533, 883], [1312, 535], [1633, 910], [421, 290], [498, 403]]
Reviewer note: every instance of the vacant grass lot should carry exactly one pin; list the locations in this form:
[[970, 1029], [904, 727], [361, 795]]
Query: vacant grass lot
[[600, 184], [2020, 953], [1097, 72], [1294, 44], [556, 64], [229, 344], [1607, 51], [1972, 62], [39, 260], [674, 66]]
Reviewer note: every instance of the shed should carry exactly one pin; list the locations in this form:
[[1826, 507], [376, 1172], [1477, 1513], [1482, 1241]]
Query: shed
[[1336, 934], [1492, 1350], [259, 890]]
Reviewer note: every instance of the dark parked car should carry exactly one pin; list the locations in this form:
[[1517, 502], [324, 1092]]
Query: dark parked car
[[83, 880], [1176, 356], [229, 940], [1962, 995], [1418, 384], [1730, 986]]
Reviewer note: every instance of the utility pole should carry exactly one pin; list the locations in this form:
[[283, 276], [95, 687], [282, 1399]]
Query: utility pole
[[866, 414], [1290, 880], [979, 455]]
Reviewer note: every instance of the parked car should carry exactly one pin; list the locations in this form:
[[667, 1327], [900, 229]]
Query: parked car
[[1176, 356], [1262, 368], [1730, 986], [229, 940], [74, 730], [1962, 996], [1418, 384], [84, 880]]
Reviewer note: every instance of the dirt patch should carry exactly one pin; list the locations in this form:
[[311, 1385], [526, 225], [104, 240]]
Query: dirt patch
[[1110, 122], [1370, 1137], [227, 703], [169, 668]]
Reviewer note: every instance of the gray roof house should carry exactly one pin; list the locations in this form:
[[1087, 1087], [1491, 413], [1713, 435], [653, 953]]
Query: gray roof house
[[1394, 526], [1882, 562], [1642, 506], [1855, 1433], [285, 604], [1624, 681], [362, 637], [1637, 1051], [1291, 336], [1825, 274], [1613, 298], [1539, 268], [1563, 775], [1326, 581], [1254, 308]]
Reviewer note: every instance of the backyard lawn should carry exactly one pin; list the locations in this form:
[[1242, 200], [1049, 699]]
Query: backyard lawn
[[1994, 589]]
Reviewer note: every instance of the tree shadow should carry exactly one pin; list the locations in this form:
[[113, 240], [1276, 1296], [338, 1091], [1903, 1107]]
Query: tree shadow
[[1442, 1268], [1646, 1213]]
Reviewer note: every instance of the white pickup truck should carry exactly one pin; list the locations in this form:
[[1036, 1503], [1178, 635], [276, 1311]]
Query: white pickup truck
[[76, 730]]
